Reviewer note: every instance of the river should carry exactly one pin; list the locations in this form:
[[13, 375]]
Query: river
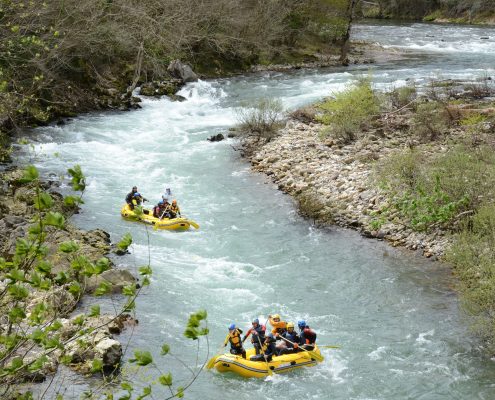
[[394, 314]]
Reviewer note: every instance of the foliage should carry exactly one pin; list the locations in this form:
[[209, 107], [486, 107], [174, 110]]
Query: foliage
[[261, 118], [37, 294], [402, 96], [350, 110], [439, 189], [473, 259], [430, 120]]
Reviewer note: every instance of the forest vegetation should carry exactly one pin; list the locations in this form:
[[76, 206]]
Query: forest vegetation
[[61, 57]]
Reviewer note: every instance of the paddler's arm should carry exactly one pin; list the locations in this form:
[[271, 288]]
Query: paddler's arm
[[226, 340]]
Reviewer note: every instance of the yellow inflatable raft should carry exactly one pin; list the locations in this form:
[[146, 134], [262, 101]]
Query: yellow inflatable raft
[[259, 369], [176, 224]]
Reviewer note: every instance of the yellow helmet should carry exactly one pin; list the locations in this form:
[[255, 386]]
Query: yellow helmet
[[276, 316], [290, 325]]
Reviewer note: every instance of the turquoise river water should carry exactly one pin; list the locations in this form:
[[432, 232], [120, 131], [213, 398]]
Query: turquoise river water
[[394, 314]]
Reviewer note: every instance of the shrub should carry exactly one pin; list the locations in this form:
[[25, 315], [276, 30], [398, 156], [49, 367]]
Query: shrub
[[430, 120], [262, 118], [473, 259], [402, 96], [349, 111], [437, 190]]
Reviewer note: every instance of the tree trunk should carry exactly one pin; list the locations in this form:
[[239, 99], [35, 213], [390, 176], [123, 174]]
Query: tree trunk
[[344, 50]]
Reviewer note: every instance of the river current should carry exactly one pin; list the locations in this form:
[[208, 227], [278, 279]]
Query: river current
[[398, 322]]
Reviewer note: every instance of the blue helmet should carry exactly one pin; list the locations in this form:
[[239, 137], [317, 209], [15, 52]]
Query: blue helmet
[[137, 194], [231, 327], [301, 324], [256, 321], [270, 335], [160, 202]]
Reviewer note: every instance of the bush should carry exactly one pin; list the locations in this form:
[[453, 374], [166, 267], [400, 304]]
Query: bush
[[402, 96], [437, 190], [349, 111], [262, 118], [430, 120], [473, 259]]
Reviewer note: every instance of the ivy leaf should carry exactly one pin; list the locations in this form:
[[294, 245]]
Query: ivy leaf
[[38, 364], [75, 288], [180, 392], [166, 380], [72, 201], [16, 314]]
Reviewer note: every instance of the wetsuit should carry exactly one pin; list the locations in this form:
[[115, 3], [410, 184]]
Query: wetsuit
[[129, 197], [308, 338]]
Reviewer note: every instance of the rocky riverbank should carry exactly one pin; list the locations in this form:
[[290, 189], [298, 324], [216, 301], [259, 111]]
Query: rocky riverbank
[[336, 182], [87, 339]]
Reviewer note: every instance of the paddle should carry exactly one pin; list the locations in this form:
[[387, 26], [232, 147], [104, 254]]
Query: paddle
[[312, 354], [329, 347], [211, 362], [264, 356]]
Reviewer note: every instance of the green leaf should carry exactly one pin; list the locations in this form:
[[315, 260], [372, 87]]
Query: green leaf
[[17, 363], [54, 219], [61, 278], [55, 326], [97, 365], [146, 281], [22, 247], [180, 392], [126, 386], [95, 311], [102, 265], [103, 288], [68, 247], [165, 349], [78, 180], [38, 364], [201, 314], [16, 275], [16, 314], [125, 242], [165, 380], [142, 358], [79, 320], [75, 288], [131, 305], [72, 201], [38, 336], [145, 270], [43, 267], [18, 292], [52, 343], [43, 202], [129, 290], [30, 174]]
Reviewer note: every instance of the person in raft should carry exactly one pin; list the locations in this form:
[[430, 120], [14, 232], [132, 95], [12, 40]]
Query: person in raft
[[174, 209], [278, 327], [291, 339], [234, 337], [307, 336], [159, 209], [134, 198], [258, 335]]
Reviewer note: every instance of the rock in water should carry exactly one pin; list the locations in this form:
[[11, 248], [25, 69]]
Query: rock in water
[[183, 71]]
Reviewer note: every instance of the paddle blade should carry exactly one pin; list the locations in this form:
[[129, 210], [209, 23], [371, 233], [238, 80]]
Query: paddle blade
[[329, 347], [194, 224], [211, 363]]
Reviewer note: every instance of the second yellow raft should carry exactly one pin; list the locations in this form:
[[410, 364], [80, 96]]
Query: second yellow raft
[[176, 224]]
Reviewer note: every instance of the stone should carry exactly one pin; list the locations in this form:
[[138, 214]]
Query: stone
[[183, 71], [216, 138], [110, 351], [118, 278]]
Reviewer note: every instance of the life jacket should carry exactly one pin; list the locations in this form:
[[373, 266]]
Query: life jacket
[[269, 349], [235, 338], [308, 336], [292, 336], [156, 212], [278, 327], [260, 330], [175, 209]]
